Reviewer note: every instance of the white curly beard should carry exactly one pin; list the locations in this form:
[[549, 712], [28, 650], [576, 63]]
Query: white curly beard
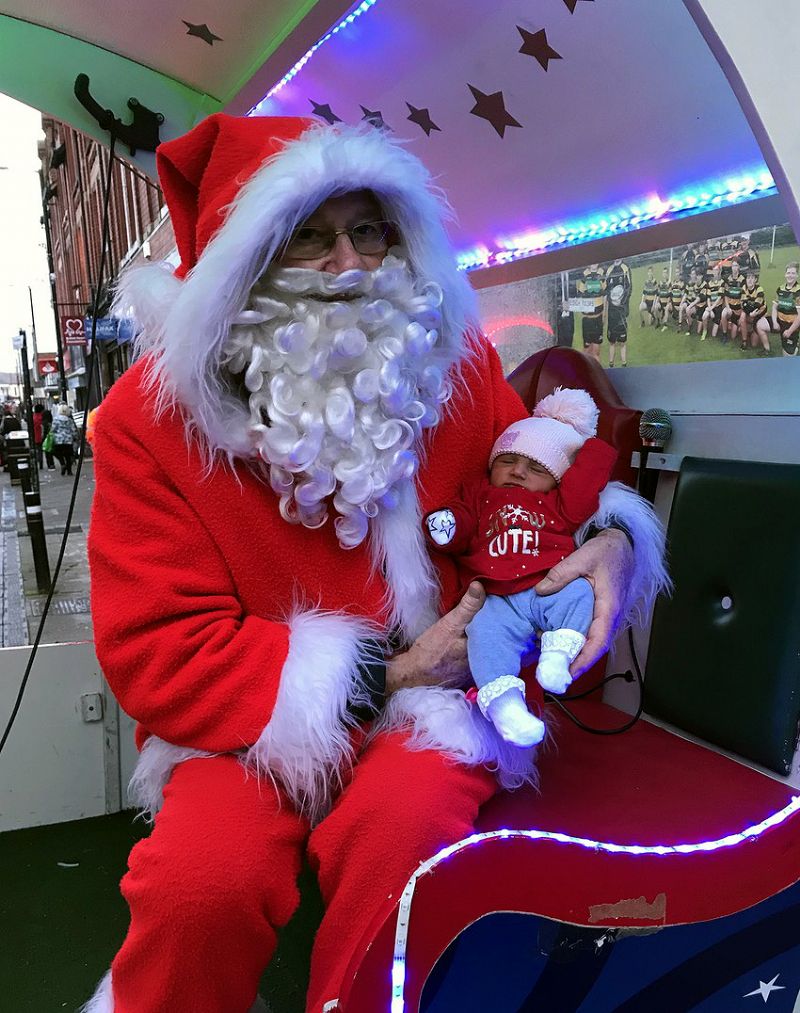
[[343, 374]]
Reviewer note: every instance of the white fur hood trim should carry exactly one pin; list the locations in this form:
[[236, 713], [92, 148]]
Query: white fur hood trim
[[185, 325], [443, 719], [306, 743], [650, 577]]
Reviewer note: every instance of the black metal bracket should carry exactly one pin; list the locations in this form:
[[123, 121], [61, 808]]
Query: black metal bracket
[[141, 135]]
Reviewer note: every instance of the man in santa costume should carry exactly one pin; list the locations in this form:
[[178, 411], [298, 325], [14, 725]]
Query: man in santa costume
[[313, 383]]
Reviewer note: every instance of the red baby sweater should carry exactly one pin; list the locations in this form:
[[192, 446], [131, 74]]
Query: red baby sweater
[[509, 538]]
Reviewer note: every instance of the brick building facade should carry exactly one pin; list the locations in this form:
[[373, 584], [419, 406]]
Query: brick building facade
[[73, 177]]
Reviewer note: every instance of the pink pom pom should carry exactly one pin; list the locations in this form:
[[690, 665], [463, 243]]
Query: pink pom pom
[[572, 407]]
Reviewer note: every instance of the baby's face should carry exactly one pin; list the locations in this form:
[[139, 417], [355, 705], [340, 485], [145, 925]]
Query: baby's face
[[516, 471]]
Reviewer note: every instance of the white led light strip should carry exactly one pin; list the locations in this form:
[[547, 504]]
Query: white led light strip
[[404, 909], [344, 23]]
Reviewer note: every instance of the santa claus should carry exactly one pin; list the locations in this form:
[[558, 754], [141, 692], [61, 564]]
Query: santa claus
[[312, 383]]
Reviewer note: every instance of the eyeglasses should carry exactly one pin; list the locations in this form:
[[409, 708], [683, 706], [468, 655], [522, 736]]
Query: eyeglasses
[[368, 238]]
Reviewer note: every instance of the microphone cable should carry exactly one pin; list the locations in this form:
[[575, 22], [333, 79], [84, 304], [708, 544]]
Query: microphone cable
[[627, 676], [92, 364]]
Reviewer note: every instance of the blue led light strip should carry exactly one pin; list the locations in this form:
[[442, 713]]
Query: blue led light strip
[[362, 8], [404, 909], [647, 211]]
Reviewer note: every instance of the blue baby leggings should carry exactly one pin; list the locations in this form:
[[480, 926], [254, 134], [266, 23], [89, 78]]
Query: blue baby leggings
[[500, 633]]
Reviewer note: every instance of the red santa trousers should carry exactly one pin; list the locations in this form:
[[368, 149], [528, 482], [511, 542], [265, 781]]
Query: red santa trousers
[[217, 877]]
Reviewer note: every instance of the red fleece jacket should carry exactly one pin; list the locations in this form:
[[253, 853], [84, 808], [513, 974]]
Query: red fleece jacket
[[193, 577]]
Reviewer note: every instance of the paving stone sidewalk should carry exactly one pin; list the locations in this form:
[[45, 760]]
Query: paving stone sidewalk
[[69, 618]]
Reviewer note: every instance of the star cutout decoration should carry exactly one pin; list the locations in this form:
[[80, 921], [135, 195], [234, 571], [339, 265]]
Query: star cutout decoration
[[202, 32], [422, 118], [572, 3], [492, 108], [765, 988], [324, 112], [535, 44], [374, 117]]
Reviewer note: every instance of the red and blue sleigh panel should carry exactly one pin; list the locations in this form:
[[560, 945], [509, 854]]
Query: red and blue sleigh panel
[[686, 838]]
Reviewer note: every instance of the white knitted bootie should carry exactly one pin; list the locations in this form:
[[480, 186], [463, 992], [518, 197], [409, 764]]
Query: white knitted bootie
[[559, 649], [502, 701]]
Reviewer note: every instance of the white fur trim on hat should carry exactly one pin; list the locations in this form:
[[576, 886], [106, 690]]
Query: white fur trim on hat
[[186, 330], [560, 425], [443, 719]]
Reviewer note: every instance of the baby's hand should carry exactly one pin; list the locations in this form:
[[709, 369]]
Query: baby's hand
[[441, 526]]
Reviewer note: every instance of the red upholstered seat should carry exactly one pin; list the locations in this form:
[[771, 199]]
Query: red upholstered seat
[[644, 789], [564, 367]]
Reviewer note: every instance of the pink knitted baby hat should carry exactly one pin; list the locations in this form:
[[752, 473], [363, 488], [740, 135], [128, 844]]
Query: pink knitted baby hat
[[560, 425]]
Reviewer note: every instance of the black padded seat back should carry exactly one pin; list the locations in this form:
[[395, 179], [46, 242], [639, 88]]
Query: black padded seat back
[[724, 657]]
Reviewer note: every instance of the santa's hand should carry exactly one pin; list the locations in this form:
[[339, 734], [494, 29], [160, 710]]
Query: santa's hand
[[606, 561], [439, 656]]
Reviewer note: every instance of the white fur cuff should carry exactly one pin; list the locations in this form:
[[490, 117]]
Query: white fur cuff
[[650, 578], [103, 999], [444, 720], [307, 740], [153, 770], [306, 743]]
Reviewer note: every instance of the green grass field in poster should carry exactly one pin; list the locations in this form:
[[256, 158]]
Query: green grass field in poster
[[650, 345]]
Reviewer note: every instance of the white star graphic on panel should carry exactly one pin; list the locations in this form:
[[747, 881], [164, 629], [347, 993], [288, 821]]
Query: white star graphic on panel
[[765, 988]]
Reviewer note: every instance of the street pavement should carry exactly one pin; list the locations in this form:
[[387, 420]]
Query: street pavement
[[69, 618]]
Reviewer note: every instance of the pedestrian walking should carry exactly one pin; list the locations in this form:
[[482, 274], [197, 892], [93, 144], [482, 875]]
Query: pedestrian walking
[[47, 444], [38, 433], [64, 433]]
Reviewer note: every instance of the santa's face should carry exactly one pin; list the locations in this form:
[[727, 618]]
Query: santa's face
[[342, 362], [518, 471], [334, 219]]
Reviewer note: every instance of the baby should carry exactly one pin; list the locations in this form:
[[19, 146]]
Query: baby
[[508, 529]]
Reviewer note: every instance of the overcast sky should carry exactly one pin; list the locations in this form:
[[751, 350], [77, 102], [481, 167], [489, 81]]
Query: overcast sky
[[23, 261]]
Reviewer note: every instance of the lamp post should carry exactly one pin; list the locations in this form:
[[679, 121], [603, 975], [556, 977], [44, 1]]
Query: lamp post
[[28, 397], [47, 193]]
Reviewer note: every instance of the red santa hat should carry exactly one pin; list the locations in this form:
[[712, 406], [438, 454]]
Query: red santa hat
[[560, 425], [202, 172], [236, 188]]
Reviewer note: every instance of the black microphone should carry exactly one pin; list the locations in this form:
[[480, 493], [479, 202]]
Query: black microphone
[[655, 429]]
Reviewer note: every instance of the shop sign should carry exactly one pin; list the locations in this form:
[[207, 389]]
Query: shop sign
[[110, 329], [73, 330], [46, 364]]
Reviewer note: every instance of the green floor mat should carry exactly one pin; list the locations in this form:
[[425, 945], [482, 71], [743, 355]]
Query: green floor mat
[[62, 918]]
